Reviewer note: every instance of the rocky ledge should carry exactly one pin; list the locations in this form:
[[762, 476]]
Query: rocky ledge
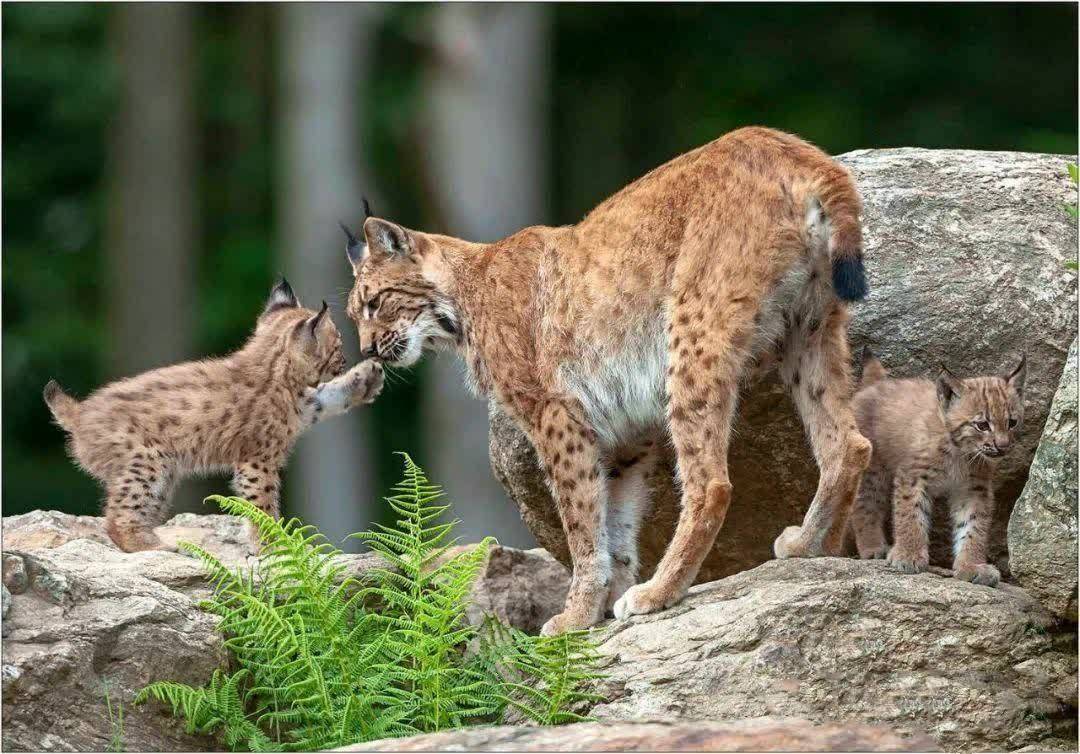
[[829, 654]]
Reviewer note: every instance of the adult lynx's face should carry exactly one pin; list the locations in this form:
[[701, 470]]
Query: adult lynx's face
[[397, 311], [983, 414]]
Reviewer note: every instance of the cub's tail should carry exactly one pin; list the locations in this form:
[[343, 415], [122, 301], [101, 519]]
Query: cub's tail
[[872, 369], [64, 408], [839, 198]]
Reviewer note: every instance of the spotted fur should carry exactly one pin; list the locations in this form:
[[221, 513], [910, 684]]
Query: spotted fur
[[636, 326], [933, 440], [139, 436]]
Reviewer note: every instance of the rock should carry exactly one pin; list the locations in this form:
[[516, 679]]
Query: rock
[[91, 615], [965, 254], [523, 588], [42, 530], [78, 613], [763, 734], [1042, 529], [840, 639]]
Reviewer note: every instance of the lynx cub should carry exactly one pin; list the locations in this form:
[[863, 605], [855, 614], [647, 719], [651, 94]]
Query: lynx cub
[[140, 435], [638, 324], [933, 440]]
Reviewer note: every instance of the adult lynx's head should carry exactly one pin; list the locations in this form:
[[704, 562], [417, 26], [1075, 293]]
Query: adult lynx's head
[[983, 414], [398, 310], [309, 339]]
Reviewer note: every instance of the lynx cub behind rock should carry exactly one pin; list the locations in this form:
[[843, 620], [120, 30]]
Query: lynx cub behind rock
[[933, 440], [243, 412]]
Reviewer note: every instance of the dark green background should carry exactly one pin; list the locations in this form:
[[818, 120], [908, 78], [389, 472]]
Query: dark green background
[[631, 87]]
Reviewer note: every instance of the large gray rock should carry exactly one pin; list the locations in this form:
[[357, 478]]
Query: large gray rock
[[965, 253], [697, 735], [837, 639], [80, 615], [1042, 529]]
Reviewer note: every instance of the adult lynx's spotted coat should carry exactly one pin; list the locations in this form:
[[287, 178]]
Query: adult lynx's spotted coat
[[638, 322]]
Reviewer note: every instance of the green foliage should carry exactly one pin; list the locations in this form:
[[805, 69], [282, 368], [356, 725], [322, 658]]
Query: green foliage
[[116, 722], [324, 660], [545, 679]]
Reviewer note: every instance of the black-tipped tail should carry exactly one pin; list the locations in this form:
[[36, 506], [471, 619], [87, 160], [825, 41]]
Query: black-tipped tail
[[849, 278]]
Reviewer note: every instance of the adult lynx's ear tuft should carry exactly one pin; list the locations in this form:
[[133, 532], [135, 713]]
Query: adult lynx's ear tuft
[[281, 297], [355, 249]]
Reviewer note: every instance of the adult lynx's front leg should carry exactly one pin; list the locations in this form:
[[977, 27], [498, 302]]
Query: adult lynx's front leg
[[569, 455]]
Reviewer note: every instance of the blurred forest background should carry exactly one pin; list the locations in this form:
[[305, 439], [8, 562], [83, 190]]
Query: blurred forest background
[[163, 163]]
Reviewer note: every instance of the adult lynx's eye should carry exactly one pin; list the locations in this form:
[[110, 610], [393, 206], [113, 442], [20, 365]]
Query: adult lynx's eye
[[982, 426], [1012, 423]]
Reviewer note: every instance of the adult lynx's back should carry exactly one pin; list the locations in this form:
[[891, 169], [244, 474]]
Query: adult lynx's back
[[639, 321]]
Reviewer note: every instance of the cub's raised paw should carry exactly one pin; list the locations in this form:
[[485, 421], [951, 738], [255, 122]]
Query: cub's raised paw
[[982, 573], [365, 382], [906, 561]]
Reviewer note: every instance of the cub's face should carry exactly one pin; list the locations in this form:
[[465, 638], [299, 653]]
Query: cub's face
[[397, 311], [984, 415]]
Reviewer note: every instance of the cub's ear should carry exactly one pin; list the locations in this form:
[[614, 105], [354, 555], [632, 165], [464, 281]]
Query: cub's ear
[[281, 297], [307, 332], [1016, 379], [385, 237], [949, 386]]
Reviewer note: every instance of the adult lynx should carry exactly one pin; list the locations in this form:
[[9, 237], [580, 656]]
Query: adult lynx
[[599, 338]]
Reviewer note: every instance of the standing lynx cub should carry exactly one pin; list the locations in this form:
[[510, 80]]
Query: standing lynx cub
[[140, 435], [640, 321], [933, 440]]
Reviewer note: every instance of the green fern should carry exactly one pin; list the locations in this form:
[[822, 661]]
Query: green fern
[[545, 679], [324, 661]]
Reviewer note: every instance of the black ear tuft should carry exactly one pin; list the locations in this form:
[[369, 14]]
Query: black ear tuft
[[315, 321], [367, 207], [354, 247], [949, 386], [849, 278], [1018, 375], [281, 297]]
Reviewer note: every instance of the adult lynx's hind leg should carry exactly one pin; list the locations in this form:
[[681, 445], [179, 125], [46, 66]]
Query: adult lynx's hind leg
[[628, 503], [816, 368], [707, 352]]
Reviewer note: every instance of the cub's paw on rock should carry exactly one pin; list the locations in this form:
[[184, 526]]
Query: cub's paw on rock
[[908, 561], [981, 573]]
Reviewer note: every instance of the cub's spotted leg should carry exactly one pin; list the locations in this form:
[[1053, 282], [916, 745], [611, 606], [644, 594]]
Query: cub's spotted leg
[[137, 501], [972, 512], [816, 369], [707, 350], [570, 458], [259, 483], [628, 503], [910, 552], [868, 518]]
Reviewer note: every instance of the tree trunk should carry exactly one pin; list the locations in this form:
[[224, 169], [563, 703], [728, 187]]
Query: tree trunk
[[324, 63], [488, 136], [153, 224]]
